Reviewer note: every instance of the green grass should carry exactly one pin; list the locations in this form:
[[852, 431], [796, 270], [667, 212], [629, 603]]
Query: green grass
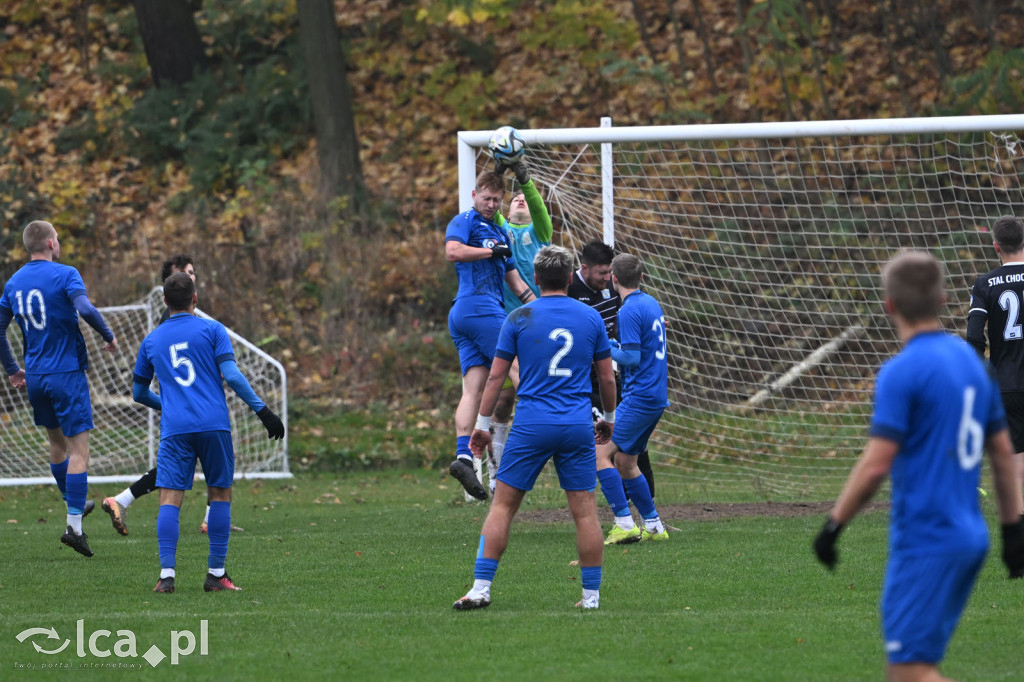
[[353, 576]]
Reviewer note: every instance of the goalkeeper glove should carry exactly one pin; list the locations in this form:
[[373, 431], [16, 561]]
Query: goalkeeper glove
[[501, 251], [825, 543], [273, 424], [1013, 548], [522, 174]]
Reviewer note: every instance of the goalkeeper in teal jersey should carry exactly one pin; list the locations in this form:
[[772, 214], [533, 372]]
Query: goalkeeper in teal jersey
[[528, 228]]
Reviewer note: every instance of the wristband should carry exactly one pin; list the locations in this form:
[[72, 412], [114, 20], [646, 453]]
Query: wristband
[[609, 417], [483, 423]]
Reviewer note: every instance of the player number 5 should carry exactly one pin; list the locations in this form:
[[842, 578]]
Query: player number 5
[[182, 361], [970, 438]]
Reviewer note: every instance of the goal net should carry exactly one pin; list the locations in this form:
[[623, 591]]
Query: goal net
[[126, 435], [763, 244]]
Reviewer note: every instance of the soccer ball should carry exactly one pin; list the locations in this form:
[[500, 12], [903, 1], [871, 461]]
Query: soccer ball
[[507, 145]]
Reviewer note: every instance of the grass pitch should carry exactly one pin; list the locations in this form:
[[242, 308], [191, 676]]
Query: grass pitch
[[353, 577]]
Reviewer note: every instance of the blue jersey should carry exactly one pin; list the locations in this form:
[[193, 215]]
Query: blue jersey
[[641, 326], [525, 245], [480, 280], [184, 354], [41, 297], [937, 400], [556, 339]]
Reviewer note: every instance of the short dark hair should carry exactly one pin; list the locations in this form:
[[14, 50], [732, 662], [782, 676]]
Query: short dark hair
[[628, 269], [178, 291], [596, 252], [179, 262], [914, 282], [1009, 233], [553, 267]]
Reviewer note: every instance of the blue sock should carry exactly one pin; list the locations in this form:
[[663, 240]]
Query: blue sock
[[591, 577], [77, 487], [462, 447], [219, 529], [167, 534], [485, 569], [60, 472], [611, 486], [640, 493]]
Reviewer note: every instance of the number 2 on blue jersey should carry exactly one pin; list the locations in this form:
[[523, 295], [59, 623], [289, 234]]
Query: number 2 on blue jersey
[[566, 337]]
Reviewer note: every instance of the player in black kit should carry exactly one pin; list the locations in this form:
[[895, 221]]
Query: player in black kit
[[997, 300]]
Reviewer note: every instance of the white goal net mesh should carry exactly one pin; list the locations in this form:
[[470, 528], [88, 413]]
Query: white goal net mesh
[[124, 441], [765, 255]]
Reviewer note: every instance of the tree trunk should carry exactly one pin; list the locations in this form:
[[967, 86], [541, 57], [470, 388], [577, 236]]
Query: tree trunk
[[173, 46], [326, 71]]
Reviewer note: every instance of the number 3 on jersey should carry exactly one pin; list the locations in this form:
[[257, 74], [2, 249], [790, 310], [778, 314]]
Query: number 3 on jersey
[[182, 361]]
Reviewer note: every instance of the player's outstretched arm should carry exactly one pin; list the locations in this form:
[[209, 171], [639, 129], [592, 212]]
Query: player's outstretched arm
[[15, 373], [864, 481], [94, 319], [539, 215], [240, 385]]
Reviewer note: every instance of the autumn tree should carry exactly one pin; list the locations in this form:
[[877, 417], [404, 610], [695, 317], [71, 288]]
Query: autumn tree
[[331, 95], [171, 38]]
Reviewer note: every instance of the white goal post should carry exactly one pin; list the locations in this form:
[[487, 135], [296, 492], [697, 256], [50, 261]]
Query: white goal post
[[763, 242], [124, 442]]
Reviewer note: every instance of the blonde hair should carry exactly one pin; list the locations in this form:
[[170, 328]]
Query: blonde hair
[[553, 267]]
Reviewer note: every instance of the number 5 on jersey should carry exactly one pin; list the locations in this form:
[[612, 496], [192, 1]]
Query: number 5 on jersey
[[182, 361]]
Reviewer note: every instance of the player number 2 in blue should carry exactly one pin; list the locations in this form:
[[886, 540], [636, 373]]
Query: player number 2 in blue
[[182, 361], [566, 337], [970, 438]]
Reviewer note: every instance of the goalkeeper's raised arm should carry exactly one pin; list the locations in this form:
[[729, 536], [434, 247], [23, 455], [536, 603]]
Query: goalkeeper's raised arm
[[528, 228]]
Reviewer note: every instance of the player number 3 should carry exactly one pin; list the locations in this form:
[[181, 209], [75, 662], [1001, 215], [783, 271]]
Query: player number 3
[[182, 361]]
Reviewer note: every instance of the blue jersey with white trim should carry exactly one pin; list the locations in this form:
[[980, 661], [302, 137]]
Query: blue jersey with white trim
[[556, 339], [184, 354], [41, 296], [641, 326], [481, 278], [939, 402]]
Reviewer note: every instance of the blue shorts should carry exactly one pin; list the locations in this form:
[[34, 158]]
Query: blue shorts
[[634, 426], [60, 400], [922, 601], [530, 446], [475, 333], [176, 460]]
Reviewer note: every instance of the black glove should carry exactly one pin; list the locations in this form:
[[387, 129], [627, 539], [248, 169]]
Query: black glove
[[499, 168], [273, 424], [825, 543], [1013, 548], [501, 251], [522, 173]]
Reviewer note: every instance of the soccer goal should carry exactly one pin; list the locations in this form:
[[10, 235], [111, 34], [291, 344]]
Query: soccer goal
[[124, 442], [763, 243]]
